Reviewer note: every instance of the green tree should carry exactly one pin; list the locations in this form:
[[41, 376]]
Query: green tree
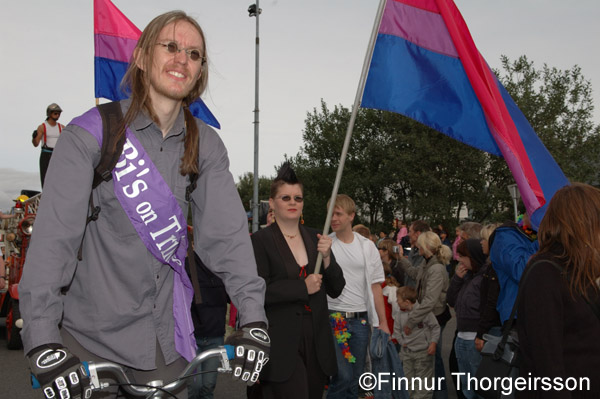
[[245, 188], [395, 167], [559, 107]]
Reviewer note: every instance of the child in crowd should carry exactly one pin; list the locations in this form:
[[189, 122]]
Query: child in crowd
[[417, 349]]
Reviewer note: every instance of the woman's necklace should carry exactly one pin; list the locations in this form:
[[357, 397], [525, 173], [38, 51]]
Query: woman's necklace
[[290, 236]]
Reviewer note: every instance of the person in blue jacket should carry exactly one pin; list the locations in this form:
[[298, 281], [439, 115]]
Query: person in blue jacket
[[511, 246]]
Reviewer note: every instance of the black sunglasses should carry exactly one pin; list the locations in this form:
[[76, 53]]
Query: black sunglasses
[[288, 198]]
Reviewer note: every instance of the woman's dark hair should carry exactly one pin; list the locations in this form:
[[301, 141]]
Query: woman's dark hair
[[286, 175], [472, 249]]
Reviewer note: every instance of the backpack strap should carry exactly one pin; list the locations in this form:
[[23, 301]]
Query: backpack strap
[[112, 118], [191, 187]]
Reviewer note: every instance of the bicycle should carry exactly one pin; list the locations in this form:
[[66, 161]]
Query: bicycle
[[156, 388]]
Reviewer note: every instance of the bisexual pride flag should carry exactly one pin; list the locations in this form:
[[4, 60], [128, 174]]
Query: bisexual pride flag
[[115, 37], [425, 66]]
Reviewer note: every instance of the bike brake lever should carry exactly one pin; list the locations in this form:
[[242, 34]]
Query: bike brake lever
[[225, 356]]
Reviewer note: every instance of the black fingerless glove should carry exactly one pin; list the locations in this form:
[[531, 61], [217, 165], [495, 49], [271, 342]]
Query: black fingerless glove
[[60, 374], [252, 346]]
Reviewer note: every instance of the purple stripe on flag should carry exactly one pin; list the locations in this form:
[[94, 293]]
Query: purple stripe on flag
[[113, 47], [423, 28]]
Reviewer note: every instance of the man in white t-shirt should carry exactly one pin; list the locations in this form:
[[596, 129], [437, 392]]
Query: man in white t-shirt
[[47, 133], [360, 305]]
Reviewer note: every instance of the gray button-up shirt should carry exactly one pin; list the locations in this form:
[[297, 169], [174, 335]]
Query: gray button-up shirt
[[118, 301]]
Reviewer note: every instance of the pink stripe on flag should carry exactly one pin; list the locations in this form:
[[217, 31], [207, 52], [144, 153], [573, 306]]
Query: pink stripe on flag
[[423, 28], [109, 20], [530, 199], [428, 5], [113, 48], [499, 120]]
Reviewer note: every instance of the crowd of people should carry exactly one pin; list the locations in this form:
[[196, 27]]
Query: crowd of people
[[112, 275]]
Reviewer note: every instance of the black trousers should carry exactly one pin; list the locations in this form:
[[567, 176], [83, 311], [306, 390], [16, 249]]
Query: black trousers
[[306, 382], [44, 162]]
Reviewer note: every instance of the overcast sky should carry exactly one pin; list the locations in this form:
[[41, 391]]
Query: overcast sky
[[309, 49]]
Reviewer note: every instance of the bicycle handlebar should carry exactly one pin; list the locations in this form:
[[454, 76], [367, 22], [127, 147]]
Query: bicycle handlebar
[[117, 372]]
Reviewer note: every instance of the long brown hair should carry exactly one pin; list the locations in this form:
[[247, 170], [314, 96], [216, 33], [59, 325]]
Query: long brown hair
[[572, 221], [137, 82]]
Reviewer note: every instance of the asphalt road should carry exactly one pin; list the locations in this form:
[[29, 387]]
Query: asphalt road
[[15, 384]]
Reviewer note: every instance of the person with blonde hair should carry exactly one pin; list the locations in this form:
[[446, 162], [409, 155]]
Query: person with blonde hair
[[360, 305], [559, 300], [432, 286]]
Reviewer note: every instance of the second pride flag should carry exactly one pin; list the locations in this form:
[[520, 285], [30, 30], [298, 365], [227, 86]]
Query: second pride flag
[[115, 37], [425, 65]]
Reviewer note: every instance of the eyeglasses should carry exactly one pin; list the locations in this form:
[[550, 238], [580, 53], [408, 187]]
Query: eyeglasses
[[382, 249], [193, 53], [288, 198]]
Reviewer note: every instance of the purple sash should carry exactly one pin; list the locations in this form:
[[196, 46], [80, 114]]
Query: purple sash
[[158, 219]]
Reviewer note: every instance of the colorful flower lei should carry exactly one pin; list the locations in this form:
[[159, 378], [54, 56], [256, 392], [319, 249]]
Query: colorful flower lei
[[340, 331]]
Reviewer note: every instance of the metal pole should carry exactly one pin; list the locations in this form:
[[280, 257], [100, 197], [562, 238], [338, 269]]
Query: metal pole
[[359, 92], [255, 203]]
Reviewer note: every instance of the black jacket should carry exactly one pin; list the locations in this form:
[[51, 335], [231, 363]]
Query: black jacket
[[286, 296], [490, 288], [208, 316], [558, 332]]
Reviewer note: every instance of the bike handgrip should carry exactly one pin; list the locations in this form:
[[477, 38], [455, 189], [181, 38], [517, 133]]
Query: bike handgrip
[[35, 384], [230, 351]]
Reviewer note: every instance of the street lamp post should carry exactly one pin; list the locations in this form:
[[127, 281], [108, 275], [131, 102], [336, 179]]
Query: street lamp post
[[514, 193], [254, 11]]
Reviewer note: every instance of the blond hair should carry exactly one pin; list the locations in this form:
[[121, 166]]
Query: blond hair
[[346, 203], [431, 245], [488, 229]]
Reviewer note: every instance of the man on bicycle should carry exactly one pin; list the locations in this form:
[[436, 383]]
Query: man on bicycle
[[127, 298]]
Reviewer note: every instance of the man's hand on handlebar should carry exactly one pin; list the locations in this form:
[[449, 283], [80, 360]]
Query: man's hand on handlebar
[[252, 346], [60, 374]]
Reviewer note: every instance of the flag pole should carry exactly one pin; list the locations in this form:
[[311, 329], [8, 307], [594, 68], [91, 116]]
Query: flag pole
[[357, 99]]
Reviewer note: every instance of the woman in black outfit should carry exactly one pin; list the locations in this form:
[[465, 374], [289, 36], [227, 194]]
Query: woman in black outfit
[[302, 354], [559, 329]]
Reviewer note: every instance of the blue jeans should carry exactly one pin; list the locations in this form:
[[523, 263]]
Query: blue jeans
[[344, 385], [468, 358], [203, 385]]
